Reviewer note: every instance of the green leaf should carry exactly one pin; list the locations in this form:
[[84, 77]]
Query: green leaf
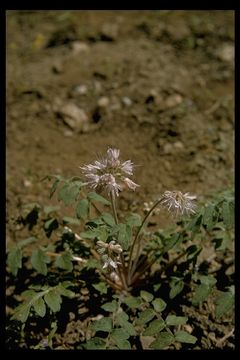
[[64, 262], [104, 324], [120, 336], [54, 186], [50, 225], [70, 220], [132, 302], [14, 260], [154, 327], [65, 292], [193, 251], [40, 307], [69, 193], [146, 296], [184, 337], [124, 235], [159, 305], [108, 219], [101, 287], [82, 209], [122, 320], [39, 260], [92, 196], [134, 220], [207, 280], [110, 306], [28, 241], [95, 343], [163, 340], [228, 214], [224, 304], [176, 320], [21, 312], [201, 293], [49, 209], [176, 286], [208, 216], [53, 300], [145, 316]]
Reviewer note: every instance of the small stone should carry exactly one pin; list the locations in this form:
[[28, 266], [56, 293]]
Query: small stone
[[73, 116], [168, 148], [226, 53], [27, 183], [126, 101], [68, 133], [79, 46], [103, 102], [81, 89], [57, 67], [173, 100], [178, 145]]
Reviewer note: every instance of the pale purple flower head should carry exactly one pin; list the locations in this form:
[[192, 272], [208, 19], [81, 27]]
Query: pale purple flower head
[[109, 173], [178, 203]]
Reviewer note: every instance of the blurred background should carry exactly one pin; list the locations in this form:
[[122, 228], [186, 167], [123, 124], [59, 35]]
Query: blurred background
[[158, 85]]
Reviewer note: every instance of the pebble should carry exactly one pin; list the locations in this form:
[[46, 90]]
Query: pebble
[[226, 53], [173, 100], [81, 89], [79, 46], [68, 133], [103, 102], [75, 117], [27, 183], [126, 101], [178, 145], [168, 148]]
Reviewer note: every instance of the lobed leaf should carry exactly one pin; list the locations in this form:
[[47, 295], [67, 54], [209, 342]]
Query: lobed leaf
[[184, 337], [154, 327], [163, 340]]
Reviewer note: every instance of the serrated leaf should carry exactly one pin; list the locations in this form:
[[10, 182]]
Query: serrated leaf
[[176, 286], [95, 343], [163, 340], [122, 320], [146, 296], [208, 216], [228, 214], [159, 305], [134, 220], [28, 294], [110, 306], [82, 209], [108, 219], [154, 327], [132, 302], [40, 307], [101, 287], [224, 304], [104, 324], [145, 316], [184, 337], [64, 262], [201, 293], [92, 196], [21, 312], [65, 292], [119, 334], [207, 280], [122, 343], [176, 320], [14, 260], [53, 300], [68, 193], [124, 235], [39, 259]]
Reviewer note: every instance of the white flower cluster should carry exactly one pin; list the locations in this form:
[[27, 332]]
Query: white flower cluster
[[178, 203], [110, 173], [110, 254]]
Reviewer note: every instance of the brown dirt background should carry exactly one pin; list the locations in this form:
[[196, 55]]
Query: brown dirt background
[[158, 85]]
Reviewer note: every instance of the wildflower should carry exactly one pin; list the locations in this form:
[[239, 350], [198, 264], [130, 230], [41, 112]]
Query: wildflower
[[110, 173], [178, 203]]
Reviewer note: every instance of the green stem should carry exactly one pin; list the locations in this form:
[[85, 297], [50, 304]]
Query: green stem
[[136, 238]]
